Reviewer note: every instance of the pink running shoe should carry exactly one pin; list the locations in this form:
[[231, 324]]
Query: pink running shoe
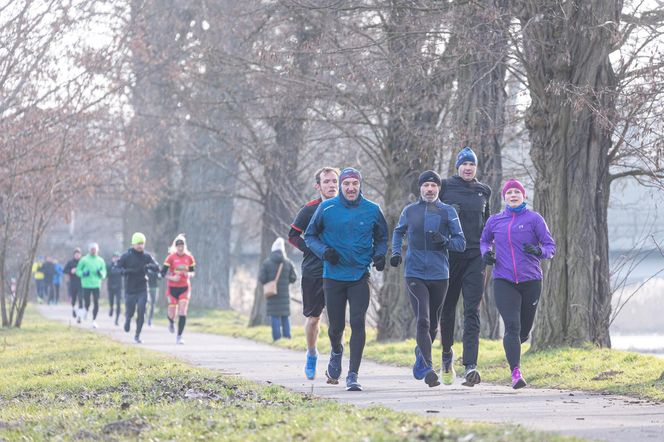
[[517, 379]]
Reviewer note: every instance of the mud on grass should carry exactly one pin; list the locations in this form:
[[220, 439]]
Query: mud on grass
[[58, 383]]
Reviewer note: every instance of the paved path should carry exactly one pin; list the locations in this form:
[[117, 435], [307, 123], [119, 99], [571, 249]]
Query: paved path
[[592, 416]]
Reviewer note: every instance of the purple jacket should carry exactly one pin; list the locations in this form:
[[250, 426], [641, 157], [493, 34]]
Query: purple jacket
[[509, 232]]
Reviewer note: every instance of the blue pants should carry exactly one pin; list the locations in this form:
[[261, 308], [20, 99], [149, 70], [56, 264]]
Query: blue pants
[[280, 326]]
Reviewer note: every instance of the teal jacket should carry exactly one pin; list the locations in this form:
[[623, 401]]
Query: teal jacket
[[92, 271]]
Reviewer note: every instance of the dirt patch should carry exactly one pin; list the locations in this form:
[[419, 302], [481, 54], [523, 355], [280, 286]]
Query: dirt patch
[[126, 427], [606, 375]]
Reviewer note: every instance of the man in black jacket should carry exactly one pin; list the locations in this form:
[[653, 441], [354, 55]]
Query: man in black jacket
[[75, 289], [135, 265], [114, 286], [470, 198]]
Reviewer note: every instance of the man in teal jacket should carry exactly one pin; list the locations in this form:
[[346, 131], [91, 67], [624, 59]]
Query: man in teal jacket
[[347, 232], [92, 271]]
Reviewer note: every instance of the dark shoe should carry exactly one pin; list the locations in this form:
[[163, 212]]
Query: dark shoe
[[351, 382], [333, 371], [471, 376]]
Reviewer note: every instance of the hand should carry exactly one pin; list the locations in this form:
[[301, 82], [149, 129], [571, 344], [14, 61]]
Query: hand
[[395, 260], [379, 262], [489, 258], [331, 256], [532, 249], [438, 240], [86, 273], [73, 271], [99, 273], [457, 208]]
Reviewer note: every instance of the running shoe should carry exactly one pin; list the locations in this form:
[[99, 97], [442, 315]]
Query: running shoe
[[171, 327], [179, 340], [110, 313], [333, 371], [447, 373], [517, 379], [78, 319], [127, 325], [431, 378], [73, 313], [471, 376], [420, 368], [116, 321], [137, 340], [351, 382], [310, 367], [94, 324]]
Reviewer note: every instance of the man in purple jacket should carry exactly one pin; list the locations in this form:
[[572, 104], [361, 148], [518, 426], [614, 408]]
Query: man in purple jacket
[[521, 240]]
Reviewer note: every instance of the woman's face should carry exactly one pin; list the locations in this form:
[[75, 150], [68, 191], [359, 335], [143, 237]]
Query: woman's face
[[180, 249], [514, 197]]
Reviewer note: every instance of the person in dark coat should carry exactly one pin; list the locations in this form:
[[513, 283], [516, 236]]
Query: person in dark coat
[[278, 306]]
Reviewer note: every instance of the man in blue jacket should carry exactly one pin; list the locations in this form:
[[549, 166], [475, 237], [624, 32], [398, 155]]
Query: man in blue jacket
[[433, 228], [347, 232]]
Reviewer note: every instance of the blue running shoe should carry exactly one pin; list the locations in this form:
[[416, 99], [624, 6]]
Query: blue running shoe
[[351, 382], [310, 367], [333, 371], [420, 368]]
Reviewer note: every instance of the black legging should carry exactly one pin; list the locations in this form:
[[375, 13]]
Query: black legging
[[427, 299], [75, 292], [114, 299], [356, 294], [136, 302], [517, 305], [95, 301]]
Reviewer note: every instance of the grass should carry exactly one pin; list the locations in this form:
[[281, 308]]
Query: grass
[[587, 368], [61, 383]]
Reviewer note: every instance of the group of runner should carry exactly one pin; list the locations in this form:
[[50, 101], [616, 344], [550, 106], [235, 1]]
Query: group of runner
[[451, 239], [137, 272]]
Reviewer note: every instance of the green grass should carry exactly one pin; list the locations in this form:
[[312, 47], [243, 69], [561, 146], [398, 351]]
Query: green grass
[[587, 368], [61, 383]]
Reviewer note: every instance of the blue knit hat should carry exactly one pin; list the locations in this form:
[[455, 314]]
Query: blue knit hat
[[349, 172], [466, 154]]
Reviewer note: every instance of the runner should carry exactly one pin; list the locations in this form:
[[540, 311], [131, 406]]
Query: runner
[[57, 281], [433, 228], [521, 240], [153, 289], [135, 264], [313, 299], [347, 232], [74, 286], [278, 305], [38, 276], [114, 286], [470, 198], [92, 271], [178, 269], [48, 270]]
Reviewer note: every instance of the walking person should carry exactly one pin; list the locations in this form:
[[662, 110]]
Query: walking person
[[134, 265], [470, 198], [433, 229], [348, 232], [277, 267], [153, 291], [521, 240], [114, 286], [179, 268], [313, 299], [48, 270], [74, 285], [92, 271], [57, 281]]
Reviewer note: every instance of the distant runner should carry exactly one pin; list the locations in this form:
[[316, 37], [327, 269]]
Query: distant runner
[[92, 271], [178, 269]]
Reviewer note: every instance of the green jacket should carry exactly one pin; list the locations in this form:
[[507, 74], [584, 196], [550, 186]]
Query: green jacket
[[91, 270]]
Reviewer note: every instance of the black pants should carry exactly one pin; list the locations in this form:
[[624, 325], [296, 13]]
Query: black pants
[[427, 298], [136, 302], [153, 299], [114, 299], [56, 293], [95, 301], [356, 294], [76, 292], [517, 305], [467, 276]]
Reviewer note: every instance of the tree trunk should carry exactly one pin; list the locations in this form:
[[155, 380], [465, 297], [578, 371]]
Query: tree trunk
[[480, 107], [572, 87]]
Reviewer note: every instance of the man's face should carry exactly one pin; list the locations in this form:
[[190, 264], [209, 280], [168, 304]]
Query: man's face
[[514, 197], [94, 251], [350, 187], [329, 185], [468, 170], [139, 247], [429, 191], [77, 255], [115, 258]]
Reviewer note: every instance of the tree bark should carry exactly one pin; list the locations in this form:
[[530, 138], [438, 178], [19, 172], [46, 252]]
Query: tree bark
[[572, 86]]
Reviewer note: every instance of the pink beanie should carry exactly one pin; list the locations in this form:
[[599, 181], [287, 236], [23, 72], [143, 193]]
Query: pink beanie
[[513, 184]]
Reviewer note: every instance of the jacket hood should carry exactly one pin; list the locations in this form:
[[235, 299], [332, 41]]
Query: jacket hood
[[277, 256]]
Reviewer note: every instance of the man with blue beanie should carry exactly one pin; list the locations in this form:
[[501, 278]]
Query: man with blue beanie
[[433, 229], [347, 232], [471, 199]]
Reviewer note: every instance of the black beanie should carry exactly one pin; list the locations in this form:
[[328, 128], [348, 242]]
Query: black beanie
[[429, 176]]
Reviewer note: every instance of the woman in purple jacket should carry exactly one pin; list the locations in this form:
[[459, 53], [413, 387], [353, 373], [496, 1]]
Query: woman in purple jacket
[[521, 240]]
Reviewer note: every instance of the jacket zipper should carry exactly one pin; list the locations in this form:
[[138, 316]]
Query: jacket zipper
[[509, 239]]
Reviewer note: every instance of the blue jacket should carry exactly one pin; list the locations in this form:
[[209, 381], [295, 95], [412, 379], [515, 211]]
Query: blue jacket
[[357, 230], [418, 219]]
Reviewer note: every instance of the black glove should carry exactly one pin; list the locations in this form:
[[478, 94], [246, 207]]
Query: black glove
[[489, 258], [532, 249], [99, 273], [379, 262], [395, 260], [331, 256], [151, 267], [438, 240], [86, 273], [457, 208]]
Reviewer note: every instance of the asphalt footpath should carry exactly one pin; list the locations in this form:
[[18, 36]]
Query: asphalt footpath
[[588, 415]]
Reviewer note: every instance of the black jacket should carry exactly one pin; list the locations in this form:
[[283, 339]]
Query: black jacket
[[312, 266], [135, 266], [114, 277], [48, 269], [278, 305], [472, 198], [74, 280]]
